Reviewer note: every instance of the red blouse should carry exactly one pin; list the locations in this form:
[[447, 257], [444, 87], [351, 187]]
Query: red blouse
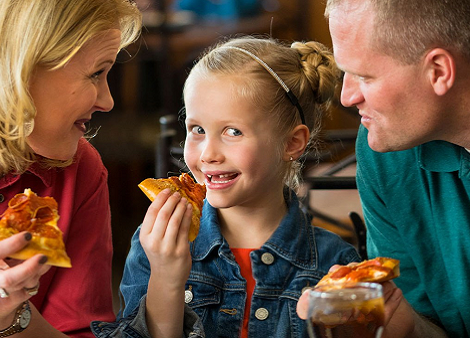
[[70, 299]]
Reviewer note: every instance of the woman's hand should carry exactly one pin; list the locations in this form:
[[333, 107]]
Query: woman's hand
[[16, 277], [164, 237]]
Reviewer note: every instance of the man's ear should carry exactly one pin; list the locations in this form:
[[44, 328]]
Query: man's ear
[[440, 66], [297, 141]]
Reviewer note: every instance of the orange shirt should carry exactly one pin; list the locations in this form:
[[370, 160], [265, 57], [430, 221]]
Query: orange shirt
[[242, 256]]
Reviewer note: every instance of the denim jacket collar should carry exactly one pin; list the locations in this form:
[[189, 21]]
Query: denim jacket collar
[[292, 240]]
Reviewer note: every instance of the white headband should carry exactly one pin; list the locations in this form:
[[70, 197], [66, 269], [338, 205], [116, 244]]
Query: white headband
[[289, 93]]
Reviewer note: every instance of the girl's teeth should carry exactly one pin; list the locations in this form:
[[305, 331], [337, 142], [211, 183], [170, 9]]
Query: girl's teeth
[[220, 181], [219, 178]]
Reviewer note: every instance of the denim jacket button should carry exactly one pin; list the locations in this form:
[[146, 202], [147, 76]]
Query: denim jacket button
[[261, 313], [267, 258], [188, 296]]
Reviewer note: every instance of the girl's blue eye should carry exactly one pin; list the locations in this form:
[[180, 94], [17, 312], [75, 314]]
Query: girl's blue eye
[[197, 130], [234, 132]]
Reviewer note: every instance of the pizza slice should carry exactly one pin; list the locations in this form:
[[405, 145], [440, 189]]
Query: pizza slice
[[185, 185], [37, 215], [375, 270]]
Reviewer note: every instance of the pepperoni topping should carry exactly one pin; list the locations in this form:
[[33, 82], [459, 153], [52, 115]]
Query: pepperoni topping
[[45, 214], [18, 201], [341, 272], [369, 263], [26, 212]]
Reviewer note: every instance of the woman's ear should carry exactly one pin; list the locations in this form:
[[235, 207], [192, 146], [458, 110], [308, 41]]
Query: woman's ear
[[297, 141], [440, 66]]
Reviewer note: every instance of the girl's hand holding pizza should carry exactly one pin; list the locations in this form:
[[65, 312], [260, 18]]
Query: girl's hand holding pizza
[[19, 280], [171, 220], [164, 238]]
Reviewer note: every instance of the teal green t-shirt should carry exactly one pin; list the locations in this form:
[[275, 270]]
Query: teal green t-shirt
[[416, 207]]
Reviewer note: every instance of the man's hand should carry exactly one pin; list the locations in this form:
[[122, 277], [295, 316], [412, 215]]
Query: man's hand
[[401, 321]]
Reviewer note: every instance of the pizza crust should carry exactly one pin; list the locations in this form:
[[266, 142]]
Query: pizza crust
[[54, 257]]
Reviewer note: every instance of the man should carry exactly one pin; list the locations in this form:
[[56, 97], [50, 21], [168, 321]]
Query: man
[[406, 68]]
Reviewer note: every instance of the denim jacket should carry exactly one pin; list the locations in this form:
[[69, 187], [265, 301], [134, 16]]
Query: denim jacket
[[296, 256], [135, 326]]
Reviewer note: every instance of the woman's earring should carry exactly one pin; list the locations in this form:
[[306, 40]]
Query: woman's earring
[[291, 158], [28, 127]]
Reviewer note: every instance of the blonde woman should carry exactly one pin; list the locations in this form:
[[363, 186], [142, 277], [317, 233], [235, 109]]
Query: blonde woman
[[54, 59]]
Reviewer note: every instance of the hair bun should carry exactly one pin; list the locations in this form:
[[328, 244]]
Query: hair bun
[[319, 67]]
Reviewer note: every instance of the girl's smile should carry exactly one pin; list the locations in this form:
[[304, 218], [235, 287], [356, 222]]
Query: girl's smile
[[220, 181]]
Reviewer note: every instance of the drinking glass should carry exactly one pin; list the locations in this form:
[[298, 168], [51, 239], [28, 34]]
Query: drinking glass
[[346, 311]]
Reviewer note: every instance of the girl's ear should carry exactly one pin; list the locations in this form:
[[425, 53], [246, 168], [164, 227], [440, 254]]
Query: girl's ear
[[441, 70], [297, 141]]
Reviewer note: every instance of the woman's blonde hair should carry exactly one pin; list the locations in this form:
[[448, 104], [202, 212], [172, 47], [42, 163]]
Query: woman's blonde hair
[[307, 69], [47, 33]]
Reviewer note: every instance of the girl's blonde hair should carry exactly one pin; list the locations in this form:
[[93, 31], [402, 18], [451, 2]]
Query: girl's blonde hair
[[47, 33], [307, 68]]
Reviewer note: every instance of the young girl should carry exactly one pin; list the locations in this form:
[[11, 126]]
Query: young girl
[[253, 107]]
